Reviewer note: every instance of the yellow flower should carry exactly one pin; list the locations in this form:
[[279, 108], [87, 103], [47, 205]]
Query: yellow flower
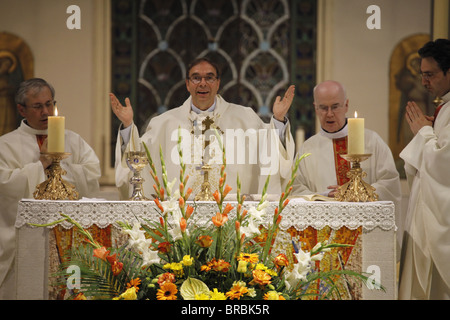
[[202, 296], [168, 291], [262, 267], [187, 260], [130, 294], [248, 257], [216, 295], [251, 292], [242, 266], [273, 295], [176, 267]]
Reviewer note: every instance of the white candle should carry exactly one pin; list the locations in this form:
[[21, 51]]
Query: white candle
[[356, 135], [56, 127]]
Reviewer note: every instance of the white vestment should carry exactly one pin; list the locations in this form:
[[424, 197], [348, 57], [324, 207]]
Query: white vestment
[[245, 138], [425, 264], [318, 171], [20, 173]]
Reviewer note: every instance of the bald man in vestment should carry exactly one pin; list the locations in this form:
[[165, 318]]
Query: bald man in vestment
[[325, 170]]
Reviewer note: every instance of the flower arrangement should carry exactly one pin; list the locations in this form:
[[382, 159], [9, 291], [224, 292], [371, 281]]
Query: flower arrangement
[[173, 259]]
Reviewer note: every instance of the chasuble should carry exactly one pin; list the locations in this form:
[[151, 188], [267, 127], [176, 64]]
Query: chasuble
[[324, 167], [20, 173], [424, 272], [253, 149]]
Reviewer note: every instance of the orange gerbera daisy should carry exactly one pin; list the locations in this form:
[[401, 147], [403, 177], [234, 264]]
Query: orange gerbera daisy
[[237, 291], [248, 257], [168, 291], [134, 283]]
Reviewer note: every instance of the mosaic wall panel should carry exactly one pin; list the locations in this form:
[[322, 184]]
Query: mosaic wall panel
[[261, 45]]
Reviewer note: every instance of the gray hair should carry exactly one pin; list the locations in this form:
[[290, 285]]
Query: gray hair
[[32, 86]]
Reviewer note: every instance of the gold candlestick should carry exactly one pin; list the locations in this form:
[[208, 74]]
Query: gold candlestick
[[356, 190], [55, 187], [136, 161], [205, 193]]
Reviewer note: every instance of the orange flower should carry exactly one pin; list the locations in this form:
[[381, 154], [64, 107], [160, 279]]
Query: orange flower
[[116, 265], [219, 219], [101, 253], [189, 211], [181, 202], [168, 291], [285, 203], [188, 193], [80, 296], [248, 257], [237, 291], [279, 219], [204, 241], [164, 247], [227, 189], [166, 277], [216, 196], [281, 260], [227, 209], [260, 277], [237, 225], [134, 283], [183, 224], [220, 265], [159, 204]]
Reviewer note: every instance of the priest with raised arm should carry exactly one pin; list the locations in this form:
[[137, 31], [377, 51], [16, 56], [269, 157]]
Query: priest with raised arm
[[425, 272], [253, 149], [325, 170]]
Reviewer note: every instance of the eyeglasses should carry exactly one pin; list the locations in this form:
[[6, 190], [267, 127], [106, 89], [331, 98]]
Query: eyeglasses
[[198, 79], [324, 109], [40, 106], [428, 75]]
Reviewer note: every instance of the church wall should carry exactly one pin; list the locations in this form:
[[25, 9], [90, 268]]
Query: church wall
[[63, 57], [359, 57]]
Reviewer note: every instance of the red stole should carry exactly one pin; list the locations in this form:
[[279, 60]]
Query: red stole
[[436, 112], [40, 139], [341, 165]]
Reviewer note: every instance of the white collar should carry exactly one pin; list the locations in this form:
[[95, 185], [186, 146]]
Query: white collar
[[198, 111], [335, 135], [24, 126]]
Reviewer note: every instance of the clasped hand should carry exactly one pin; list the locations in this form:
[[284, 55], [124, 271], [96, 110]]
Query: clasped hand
[[415, 117]]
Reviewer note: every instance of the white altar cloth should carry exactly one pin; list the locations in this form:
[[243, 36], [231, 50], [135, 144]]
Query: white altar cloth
[[377, 220]]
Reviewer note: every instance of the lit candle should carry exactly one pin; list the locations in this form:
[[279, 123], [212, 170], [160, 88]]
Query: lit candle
[[56, 128], [356, 135]]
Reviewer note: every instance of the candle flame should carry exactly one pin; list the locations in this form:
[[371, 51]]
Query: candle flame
[[356, 114], [56, 110]]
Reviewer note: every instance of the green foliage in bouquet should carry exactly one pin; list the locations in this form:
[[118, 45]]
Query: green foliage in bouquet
[[174, 259]]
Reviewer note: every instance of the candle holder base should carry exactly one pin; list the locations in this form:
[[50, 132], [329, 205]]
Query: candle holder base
[[55, 187], [356, 190], [136, 161], [205, 193]]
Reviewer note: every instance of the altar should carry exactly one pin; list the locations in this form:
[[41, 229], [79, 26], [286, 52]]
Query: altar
[[368, 226]]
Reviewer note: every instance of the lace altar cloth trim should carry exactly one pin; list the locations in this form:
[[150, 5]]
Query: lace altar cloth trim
[[299, 213]]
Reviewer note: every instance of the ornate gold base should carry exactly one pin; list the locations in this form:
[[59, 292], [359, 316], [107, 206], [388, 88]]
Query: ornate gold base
[[55, 187], [356, 190], [136, 161], [205, 193]]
